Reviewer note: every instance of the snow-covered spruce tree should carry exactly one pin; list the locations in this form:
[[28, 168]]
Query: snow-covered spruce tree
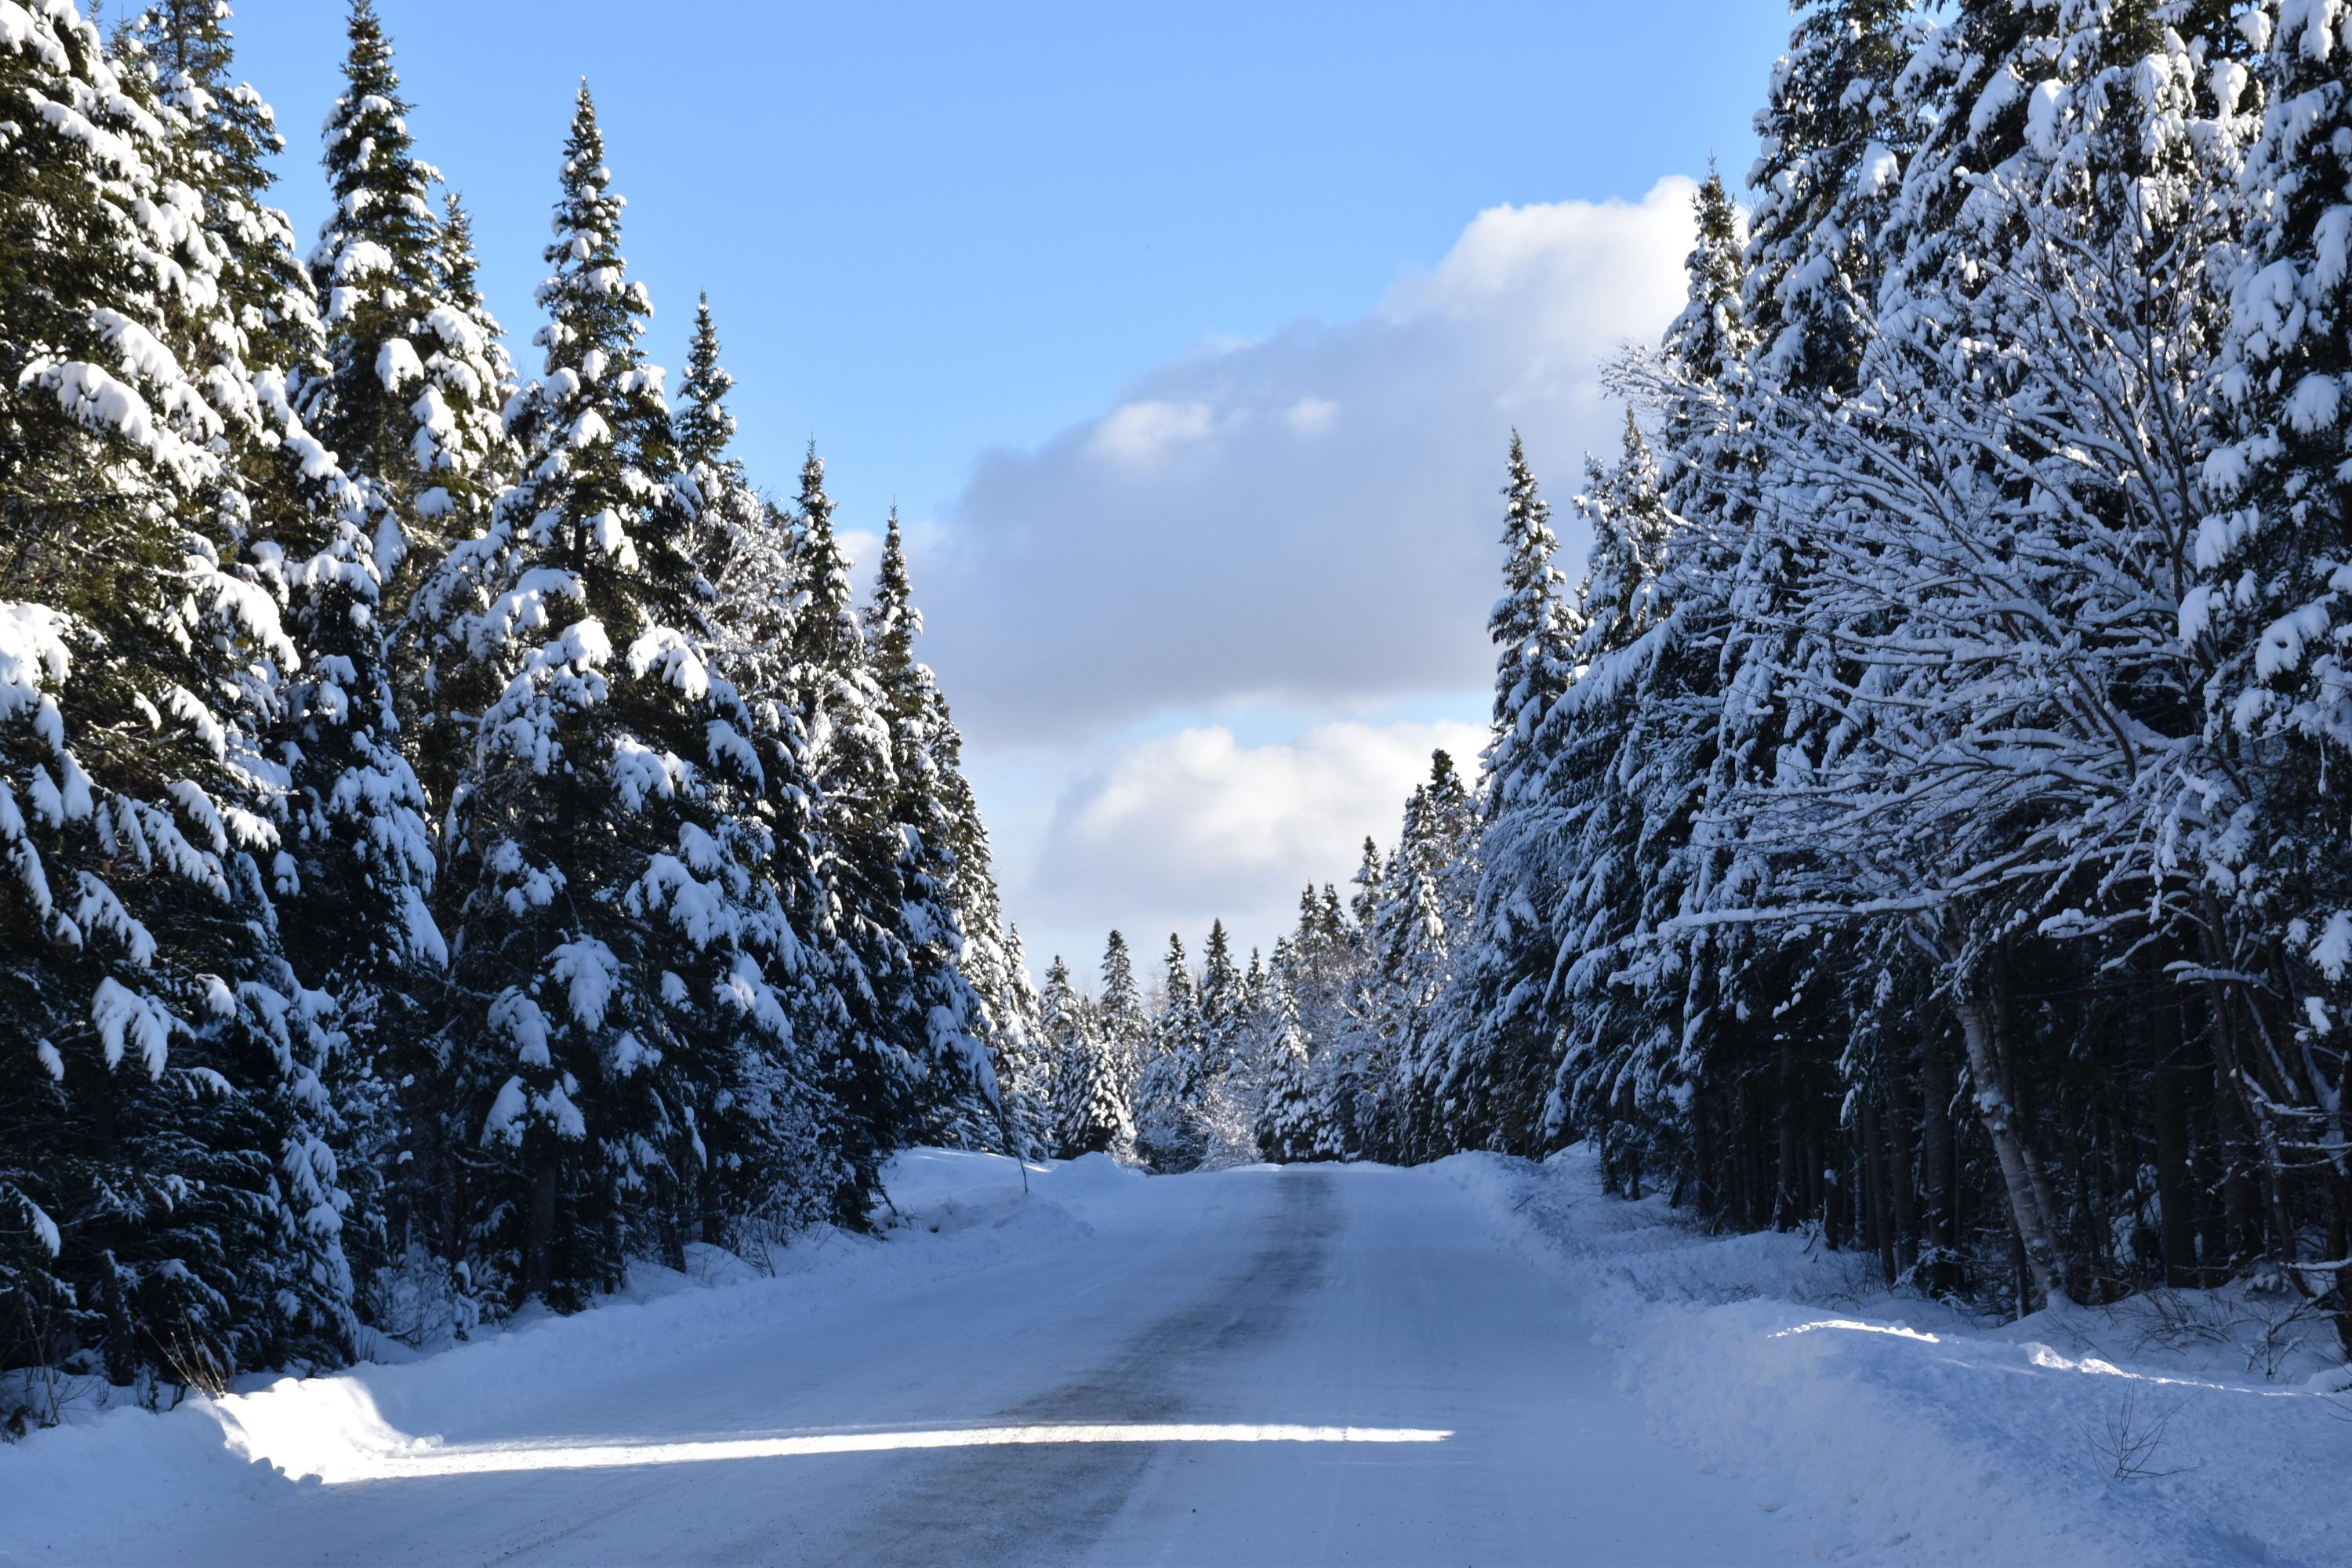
[[2273, 605], [1326, 954], [1830, 159], [168, 1201], [1222, 1115], [412, 398], [356, 868], [1025, 1077], [1833, 148], [1628, 1057], [1126, 1022], [1499, 1047], [250, 330], [1224, 1002], [461, 286], [1348, 1020], [1534, 626], [1090, 1112], [774, 1141], [938, 805], [1286, 1129], [1422, 916], [912, 1044], [702, 426], [1583, 836], [1175, 1072], [407, 391], [975, 1049], [601, 881], [1373, 1106], [437, 736]]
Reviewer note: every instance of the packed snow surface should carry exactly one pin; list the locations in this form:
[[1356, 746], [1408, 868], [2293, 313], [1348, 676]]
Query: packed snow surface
[[1482, 1361]]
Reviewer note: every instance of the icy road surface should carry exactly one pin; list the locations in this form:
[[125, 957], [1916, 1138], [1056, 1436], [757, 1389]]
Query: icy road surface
[[1261, 1366]]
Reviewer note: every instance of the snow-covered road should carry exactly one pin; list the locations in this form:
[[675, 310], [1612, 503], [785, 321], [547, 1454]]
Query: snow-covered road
[[1201, 1321]]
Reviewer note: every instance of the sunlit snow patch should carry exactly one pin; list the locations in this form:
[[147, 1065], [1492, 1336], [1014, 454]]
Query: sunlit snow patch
[[341, 1439], [1856, 1326], [605, 1457]]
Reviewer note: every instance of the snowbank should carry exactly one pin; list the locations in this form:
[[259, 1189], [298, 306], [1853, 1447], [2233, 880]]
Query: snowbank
[[1900, 1430], [963, 1214]]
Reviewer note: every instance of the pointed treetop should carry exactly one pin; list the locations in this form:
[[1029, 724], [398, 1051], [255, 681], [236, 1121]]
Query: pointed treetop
[[1630, 535], [188, 39], [1711, 337], [220, 141], [704, 425], [195, 52], [1181, 994], [377, 247], [828, 630], [595, 313], [1119, 989], [461, 268], [1443, 780], [893, 623], [1369, 874], [1527, 623], [368, 144]]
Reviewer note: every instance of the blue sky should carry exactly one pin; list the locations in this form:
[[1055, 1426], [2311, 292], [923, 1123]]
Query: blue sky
[[1176, 333]]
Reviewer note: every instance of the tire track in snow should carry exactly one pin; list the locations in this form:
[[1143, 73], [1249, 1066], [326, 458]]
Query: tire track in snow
[[1050, 1505]]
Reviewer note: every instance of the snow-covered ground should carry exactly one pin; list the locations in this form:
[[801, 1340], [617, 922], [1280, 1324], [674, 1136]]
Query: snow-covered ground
[[2189, 1428], [1482, 1360]]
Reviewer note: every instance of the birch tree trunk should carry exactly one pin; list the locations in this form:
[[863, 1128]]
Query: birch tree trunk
[[2009, 1146]]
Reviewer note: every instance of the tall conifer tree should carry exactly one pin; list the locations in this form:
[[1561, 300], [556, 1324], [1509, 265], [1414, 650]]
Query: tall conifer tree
[[603, 880], [171, 1196]]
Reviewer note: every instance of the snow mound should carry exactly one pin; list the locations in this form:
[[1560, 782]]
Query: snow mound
[[2185, 1429]]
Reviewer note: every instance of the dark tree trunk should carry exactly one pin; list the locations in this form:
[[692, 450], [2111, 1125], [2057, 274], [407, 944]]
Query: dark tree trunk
[[1703, 1145], [538, 1245], [1790, 1184], [1817, 1188], [671, 1226], [2209, 1160], [1940, 1161], [2175, 1182], [1878, 1226], [1901, 1191]]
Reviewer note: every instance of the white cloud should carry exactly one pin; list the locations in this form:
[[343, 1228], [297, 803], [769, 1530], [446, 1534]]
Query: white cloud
[[1304, 527], [862, 545], [1139, 433], [1172, 831], [1311, 518], [1312, 415]]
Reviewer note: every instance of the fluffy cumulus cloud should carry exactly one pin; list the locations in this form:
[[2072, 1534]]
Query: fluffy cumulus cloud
[[1308, 519], [1175, 829]]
